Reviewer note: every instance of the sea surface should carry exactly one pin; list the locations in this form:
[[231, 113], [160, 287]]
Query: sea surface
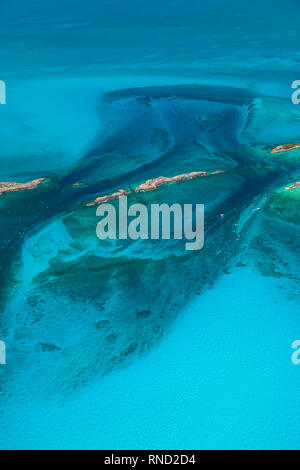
[[123, 344]]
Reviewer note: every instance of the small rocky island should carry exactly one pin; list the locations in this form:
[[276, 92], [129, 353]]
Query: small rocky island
[[99, 200], [9, 187], [285, 148], [152, 185], [296, 185]]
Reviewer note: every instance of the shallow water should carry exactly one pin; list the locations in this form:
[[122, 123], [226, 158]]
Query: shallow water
[[221, 378]]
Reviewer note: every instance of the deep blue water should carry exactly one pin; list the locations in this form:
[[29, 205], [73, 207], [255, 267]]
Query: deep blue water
[[133, 345]]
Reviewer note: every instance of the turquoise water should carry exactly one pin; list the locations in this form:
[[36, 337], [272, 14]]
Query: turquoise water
[[215, 381], [142, 345]]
